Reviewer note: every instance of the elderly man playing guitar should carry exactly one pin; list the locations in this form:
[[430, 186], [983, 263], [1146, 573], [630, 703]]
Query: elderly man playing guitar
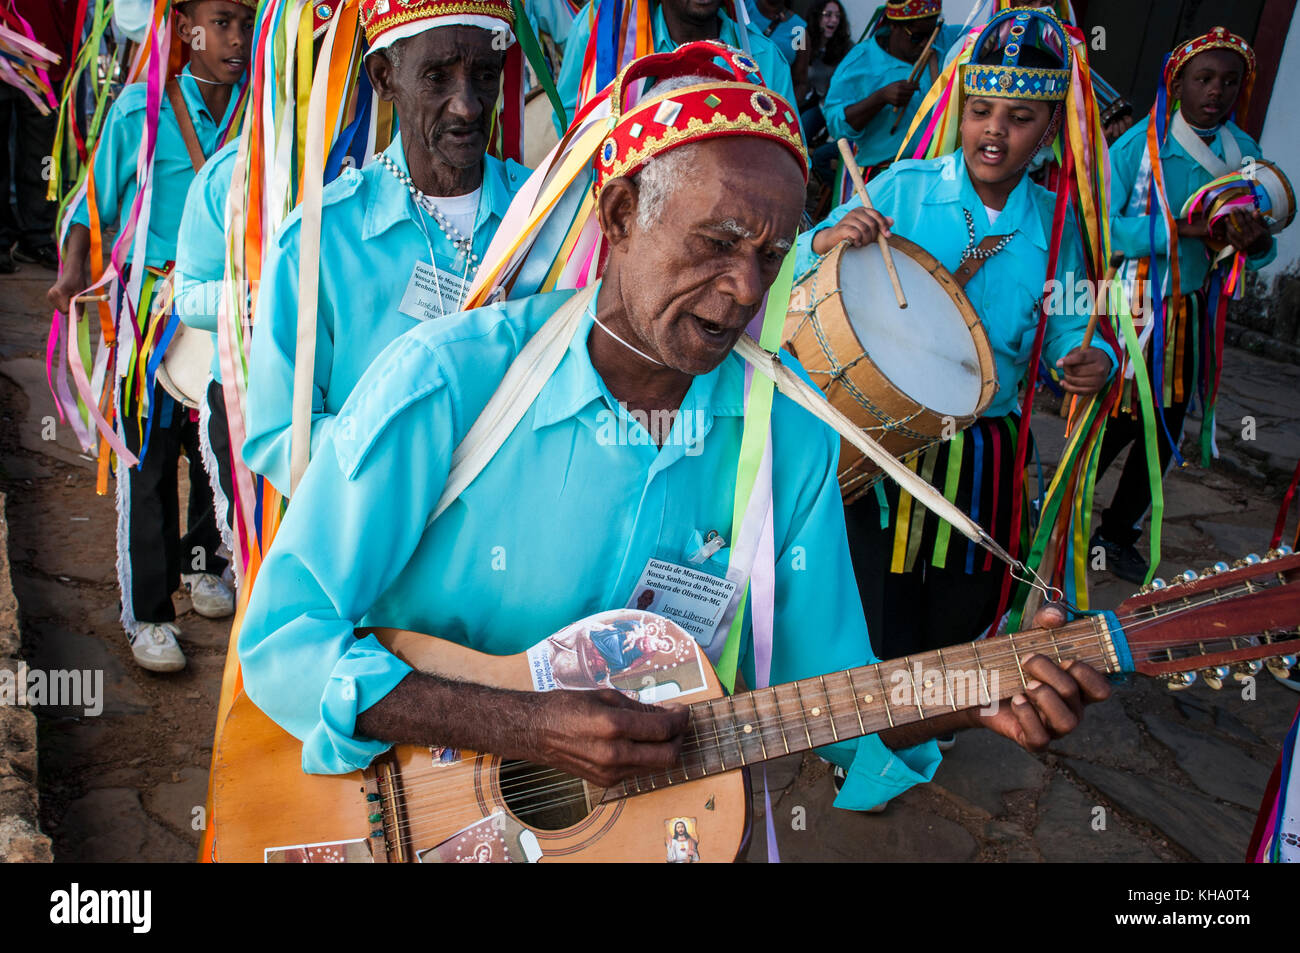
[[560, 523]]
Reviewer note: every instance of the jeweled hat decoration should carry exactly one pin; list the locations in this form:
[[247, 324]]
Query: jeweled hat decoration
[[913, 9], [734, 105], [387, 21], [1219, 38], [1011, 31]]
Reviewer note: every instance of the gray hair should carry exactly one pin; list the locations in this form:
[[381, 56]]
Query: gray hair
[[660, 175]]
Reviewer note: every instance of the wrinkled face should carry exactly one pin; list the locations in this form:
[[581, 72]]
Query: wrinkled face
[[1208, 85], [830, 19], [694, 11], [907, 38], [219, 34], [1000, 136], [692, 281], [444, 88]]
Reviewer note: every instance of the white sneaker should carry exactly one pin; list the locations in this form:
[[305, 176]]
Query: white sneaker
[[212, 598], [154, 647]]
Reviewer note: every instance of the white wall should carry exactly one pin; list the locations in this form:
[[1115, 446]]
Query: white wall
[[1281, 141]]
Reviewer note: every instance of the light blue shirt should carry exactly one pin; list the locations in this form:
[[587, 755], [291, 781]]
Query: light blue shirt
[[771, 64], [925, 199], [790, 35], [552, 16], [115, 160], [372, 236], [866, 69], [201, 247], [558, 526], [1131, 234]]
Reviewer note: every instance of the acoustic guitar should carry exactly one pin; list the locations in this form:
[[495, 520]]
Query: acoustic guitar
[[434, 805]]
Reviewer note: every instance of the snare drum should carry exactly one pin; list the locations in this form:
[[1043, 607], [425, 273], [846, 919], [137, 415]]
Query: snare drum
[[1261, 186], [908, 377]]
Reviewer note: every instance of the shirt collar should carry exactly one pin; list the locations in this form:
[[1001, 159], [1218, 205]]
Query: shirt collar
[[191, 92], [390, 203], [1020, 214], [575, 384]]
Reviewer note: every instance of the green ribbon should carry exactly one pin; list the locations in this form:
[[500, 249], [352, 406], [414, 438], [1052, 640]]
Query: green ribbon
[[753, 441], [528, 42]]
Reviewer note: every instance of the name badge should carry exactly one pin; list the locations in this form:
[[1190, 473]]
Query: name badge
[[695, 600], [432, 293]]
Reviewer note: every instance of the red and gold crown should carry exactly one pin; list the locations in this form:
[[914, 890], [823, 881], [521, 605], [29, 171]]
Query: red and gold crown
[[388, 20], [730, 104], [1219, 38], [913, 9]]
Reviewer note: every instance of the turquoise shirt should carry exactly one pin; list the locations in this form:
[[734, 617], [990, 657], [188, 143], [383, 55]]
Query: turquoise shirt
[[1131, 234], [115, 160], [771, 64], [201, 247], [372, 236], [788, 34], [925, 199], [558, 526], [552, 16], [866, 69]]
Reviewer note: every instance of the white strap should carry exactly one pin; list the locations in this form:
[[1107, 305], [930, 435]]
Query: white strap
[[523, 381], [1203, 154]]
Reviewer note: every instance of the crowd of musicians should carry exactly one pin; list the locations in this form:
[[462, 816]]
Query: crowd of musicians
[[430, 435]]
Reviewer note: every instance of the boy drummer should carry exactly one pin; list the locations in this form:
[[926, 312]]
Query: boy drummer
[[1206, 77], [979, 214]]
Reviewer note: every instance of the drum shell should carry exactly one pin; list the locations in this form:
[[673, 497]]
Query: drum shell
[[186, 367], [915, 426]]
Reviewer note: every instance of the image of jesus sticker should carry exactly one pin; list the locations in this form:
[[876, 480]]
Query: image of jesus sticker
[[683, 840]]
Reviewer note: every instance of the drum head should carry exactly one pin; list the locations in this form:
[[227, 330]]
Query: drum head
[[926, 350]]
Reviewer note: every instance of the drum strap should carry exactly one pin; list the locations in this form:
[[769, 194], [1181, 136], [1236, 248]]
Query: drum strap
[[197, 158], [973, 264]]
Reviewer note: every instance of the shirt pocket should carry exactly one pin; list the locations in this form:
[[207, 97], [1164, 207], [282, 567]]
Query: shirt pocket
[[715, 564]]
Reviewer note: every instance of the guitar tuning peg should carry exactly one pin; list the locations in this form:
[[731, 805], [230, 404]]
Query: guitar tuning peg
[[1153, 585], [1207, 572], [1285, 550], [1214, 676], [1188, 575], [1177, 681], [1252, 559], [1279, 552], [1280, 665], [1243, 670], [1221, 566]]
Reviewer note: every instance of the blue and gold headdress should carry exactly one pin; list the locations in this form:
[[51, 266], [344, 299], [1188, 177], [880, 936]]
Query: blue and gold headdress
[[1012, 31]]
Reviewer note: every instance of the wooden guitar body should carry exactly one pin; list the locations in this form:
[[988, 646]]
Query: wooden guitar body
[[407, 804]]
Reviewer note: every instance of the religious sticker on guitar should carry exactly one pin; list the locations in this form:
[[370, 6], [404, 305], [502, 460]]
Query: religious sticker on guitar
[[637, 653]]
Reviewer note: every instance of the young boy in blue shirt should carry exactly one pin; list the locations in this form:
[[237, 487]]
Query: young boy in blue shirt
[[152, 555]]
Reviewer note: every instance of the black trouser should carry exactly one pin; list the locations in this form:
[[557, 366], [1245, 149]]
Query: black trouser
[[918, 611], [1121, 522], [151, 564], [31, 221], [219, 440], [930, 607]]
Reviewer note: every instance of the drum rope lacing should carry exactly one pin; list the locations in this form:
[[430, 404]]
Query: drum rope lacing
[[979, 254]]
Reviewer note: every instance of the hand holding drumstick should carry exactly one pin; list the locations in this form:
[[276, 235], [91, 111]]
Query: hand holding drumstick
[[861, 226]]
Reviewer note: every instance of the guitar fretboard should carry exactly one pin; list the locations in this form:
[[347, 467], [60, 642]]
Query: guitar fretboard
[[752, 727]]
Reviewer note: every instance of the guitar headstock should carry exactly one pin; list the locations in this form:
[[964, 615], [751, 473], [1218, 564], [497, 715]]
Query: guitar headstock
[[1225, 621]]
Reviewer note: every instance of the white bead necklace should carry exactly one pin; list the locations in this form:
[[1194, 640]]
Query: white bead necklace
[[458, 241]]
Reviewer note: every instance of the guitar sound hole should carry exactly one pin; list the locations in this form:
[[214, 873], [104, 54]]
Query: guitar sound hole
[[544, 798]]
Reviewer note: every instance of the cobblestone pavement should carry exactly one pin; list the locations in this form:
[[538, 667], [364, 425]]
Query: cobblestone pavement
[[1177, 777]]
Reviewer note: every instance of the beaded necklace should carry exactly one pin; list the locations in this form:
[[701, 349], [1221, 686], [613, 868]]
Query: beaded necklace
[[458, 241], [979, 254]]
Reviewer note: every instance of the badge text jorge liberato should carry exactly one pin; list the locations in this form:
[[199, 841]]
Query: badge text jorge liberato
[[77, 906]]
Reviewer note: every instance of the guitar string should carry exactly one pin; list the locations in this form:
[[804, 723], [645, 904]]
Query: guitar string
[[733, 728], [1067, 641], [412, 817], [720, 731]]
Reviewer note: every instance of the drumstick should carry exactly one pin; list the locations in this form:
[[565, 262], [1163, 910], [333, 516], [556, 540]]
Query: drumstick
[[916, 71], [1099, 304], [90, 297], [856, 174]]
